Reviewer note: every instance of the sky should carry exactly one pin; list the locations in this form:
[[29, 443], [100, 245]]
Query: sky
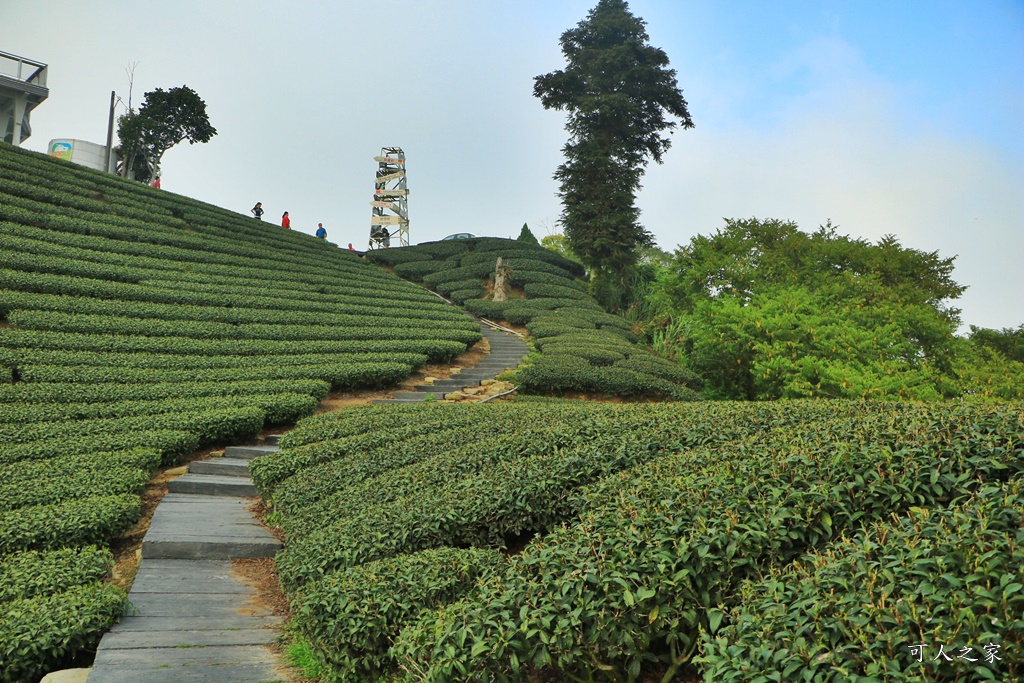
[[902, 118]]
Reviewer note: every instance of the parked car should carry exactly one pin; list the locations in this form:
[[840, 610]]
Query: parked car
[[459, 236]]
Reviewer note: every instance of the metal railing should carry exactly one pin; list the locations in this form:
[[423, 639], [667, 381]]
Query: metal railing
[[14, 66]]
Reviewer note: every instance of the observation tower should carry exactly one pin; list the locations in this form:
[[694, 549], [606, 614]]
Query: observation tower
[[390, 216], [22, 89]]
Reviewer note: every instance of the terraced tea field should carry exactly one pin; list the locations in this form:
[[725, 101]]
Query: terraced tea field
[[138, 326], [529, 540], [549, 540], [580, 348]]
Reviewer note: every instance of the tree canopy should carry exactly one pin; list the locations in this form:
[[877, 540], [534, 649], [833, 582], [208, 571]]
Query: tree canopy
[[165, 118], [762, 310], [620, 97]]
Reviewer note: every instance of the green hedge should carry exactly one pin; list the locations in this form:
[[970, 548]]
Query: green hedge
[[352, 617], [434, 349], [33, 393], [12, 357], [479, 494], [96, 520], [279, 408], [171, 444], [94, 474], [210, 426], [41, 633], [33, 573], [949, 577], [341, 376], [699, 524], [355, 315], [558, 373]]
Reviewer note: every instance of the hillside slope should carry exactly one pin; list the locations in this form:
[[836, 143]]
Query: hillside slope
[[581, 348], [137, 325]]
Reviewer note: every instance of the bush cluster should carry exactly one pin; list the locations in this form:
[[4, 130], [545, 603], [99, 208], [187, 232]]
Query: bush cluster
[[641, 528]]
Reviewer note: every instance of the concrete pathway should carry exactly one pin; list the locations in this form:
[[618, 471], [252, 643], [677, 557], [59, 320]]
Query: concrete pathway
[[192, 618], [507, 351]]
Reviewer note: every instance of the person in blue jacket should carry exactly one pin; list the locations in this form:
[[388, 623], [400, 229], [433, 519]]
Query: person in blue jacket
[[320, 232]]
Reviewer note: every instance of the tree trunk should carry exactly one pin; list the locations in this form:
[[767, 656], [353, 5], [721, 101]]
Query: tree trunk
[[500, 281]]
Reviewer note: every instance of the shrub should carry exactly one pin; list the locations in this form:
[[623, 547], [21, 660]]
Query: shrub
[[42, 632], [33, 573], [352, 616], [933, 577], [95, 520], [699, 524]]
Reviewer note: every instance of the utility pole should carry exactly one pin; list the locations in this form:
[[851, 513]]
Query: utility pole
[[110, 132]]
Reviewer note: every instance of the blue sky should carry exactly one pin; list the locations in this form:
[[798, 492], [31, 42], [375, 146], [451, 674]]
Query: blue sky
[[902, 118]]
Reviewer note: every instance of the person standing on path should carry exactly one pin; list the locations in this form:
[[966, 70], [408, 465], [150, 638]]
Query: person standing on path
[[257, 211], [320, 232], [286, 222]]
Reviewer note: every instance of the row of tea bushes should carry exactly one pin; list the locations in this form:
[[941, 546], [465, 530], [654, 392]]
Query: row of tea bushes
[[633, 527], [933, 578], [658, 552], [53, 604], [139, 326], [582, 348]]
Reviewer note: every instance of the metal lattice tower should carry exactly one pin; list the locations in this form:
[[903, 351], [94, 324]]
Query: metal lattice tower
[[390, 194]]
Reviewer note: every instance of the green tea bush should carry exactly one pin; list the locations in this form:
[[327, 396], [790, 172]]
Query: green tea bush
[[351, 617], [461, 295], [40, 633], [699, 524], [416, 270], [171, 444], [33, 573], [95, 520], [95, 474], [933, 577], [279, 408], [449, 287], [43, 393]]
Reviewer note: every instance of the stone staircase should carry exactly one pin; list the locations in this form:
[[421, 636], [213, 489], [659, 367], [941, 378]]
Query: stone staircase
[[192, 618], [507, 351]]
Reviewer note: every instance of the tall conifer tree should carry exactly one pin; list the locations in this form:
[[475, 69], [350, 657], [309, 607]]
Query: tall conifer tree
[[620, 97]]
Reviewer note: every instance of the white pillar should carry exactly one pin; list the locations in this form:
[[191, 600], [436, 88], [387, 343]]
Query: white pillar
[[19, 115]]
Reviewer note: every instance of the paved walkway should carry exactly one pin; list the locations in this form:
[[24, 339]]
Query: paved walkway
[[507, 351], [192, 618]]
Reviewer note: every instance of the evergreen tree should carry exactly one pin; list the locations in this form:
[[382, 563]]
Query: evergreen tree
[[526, 236], [620, 97]]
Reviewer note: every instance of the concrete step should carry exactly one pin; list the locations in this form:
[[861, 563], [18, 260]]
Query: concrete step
[[228, 467], [249, 452], [410, 395], [272, 439], [200, 527], [444, 386], [213, 485], [403, 400]]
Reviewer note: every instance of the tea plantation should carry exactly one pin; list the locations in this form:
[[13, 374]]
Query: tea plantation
[[137, 326], [581, 347], [546, 540], [531, 540]]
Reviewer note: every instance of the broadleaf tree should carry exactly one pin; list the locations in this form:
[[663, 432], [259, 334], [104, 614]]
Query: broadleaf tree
[[621, 98], [763, 311], [165, 118]]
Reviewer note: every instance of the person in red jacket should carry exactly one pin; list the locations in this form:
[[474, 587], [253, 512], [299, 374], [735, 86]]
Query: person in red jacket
[[285, 221]]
